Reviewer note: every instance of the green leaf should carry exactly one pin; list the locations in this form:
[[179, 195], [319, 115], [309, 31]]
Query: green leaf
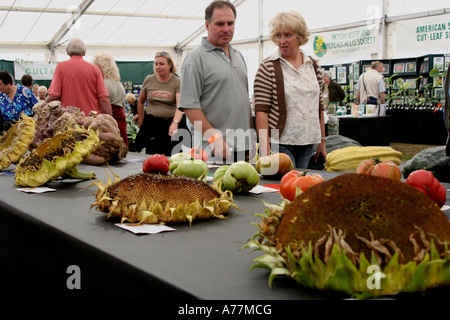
[[434, 73]]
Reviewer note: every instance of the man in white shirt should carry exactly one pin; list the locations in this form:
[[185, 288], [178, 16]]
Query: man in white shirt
[[371, 84]]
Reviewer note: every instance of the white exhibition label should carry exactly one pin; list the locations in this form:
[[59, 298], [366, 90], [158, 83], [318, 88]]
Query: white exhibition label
[[144, 228], [37, 190], [261, 189]]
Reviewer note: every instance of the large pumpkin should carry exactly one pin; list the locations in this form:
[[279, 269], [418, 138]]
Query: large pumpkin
[[378, 168], [295, 182]]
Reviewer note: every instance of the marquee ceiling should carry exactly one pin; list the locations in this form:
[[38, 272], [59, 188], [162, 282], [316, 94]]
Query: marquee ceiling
[[152, 24], [99, 22]]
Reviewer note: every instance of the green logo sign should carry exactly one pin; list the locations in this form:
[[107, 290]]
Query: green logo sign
[[320, 48]]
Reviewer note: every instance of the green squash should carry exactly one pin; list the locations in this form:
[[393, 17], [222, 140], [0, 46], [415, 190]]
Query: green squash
[[432, 159], [334, 142]]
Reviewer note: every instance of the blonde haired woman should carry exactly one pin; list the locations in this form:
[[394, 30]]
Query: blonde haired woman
[[111, 76], [288, 94], [158, 116]]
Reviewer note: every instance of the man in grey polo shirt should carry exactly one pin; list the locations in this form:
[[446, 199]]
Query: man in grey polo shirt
[[214, 88]]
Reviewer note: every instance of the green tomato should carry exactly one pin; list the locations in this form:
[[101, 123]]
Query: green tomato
[[218, 176], [177, 159], [220, 173], [191, 168], [240, 177]]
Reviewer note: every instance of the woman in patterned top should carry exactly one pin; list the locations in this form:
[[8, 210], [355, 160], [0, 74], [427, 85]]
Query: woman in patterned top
[[14, 100], [288, 95]]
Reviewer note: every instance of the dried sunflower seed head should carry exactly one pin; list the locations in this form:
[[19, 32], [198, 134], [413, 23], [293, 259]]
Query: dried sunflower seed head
[[329, 237], [16, 141], [56, 156], [155, 198]]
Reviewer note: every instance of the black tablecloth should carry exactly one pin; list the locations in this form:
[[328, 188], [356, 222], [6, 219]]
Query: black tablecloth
[[368, 131], [418, 126], [42, 235]]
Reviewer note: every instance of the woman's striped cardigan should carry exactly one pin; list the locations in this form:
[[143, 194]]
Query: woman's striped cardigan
[[269, 96]]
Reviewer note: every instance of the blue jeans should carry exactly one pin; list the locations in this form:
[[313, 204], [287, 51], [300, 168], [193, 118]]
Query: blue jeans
[[299, 155]]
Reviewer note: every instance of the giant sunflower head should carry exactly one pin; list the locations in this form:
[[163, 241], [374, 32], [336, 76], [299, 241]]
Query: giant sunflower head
[[358, 234], [156, 198], [15, 142], [57, 156]]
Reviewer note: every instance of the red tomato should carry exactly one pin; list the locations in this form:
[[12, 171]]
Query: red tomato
[[156, 163], [293, 181], [199, 154], [383, 169], [425, 181]]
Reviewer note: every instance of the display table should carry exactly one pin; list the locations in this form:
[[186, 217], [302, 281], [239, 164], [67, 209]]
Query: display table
[[418, 126], [367, 130], [42, 235]]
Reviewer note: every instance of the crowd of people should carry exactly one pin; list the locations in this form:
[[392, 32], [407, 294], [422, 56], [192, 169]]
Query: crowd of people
[[210, 97]]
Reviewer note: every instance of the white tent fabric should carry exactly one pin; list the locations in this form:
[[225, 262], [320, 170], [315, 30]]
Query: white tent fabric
[[134, 30], [39, 30]]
